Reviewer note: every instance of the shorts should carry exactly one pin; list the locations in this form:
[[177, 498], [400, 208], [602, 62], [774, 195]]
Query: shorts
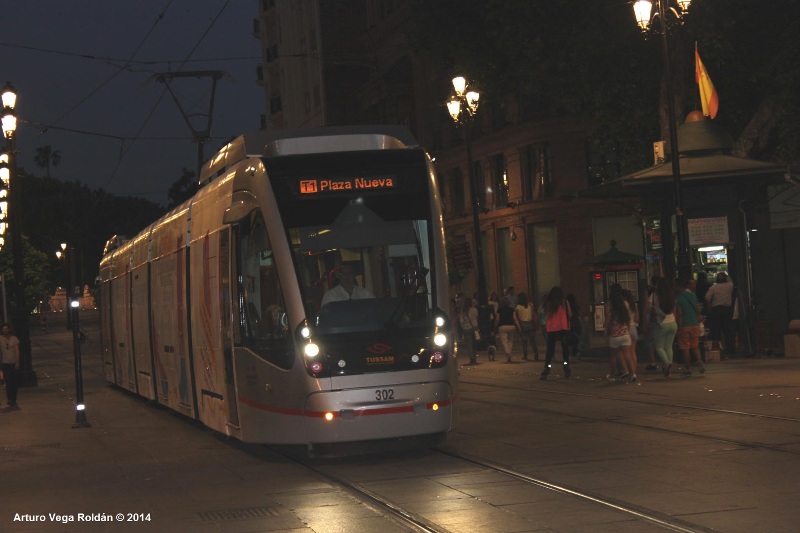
[[688, 337], [619, 342]]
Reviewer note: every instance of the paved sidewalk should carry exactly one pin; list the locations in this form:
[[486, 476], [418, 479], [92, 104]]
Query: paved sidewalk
[[161, 472]]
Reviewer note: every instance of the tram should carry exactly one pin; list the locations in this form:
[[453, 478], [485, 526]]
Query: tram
[[300, 297]]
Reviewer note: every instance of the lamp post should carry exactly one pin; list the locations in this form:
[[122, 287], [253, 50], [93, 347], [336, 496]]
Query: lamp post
[[73, 309], [462, 106], [26, 375], [643, 9]]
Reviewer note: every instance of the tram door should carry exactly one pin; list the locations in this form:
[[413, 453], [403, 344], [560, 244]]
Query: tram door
[[226, 303]]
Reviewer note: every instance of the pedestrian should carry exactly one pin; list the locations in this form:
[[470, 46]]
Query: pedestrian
[[494, 303], [575, 327], [512, 297], [557, 326], [664, 316], [457, 307], [719, 300], [617, 326], [504, 326], [701, 290], [9, 346], [687, 316], [633, 327], [543, 318], [468, 319], [527, 320], [649, 325]]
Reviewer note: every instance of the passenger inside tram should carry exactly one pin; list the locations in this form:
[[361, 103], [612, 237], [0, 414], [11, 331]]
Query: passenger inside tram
[[347, 289]]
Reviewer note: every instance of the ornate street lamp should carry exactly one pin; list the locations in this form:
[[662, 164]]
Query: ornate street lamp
[[462, 106], [645, 15], [26, 375]]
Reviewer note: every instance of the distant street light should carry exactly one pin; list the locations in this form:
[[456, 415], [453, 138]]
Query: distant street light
[[643, 9], [26, 375], [462, 106]]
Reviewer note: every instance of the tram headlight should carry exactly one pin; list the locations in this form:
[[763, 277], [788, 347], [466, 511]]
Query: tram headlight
[[440, 339], [311, 349], [314, 362]]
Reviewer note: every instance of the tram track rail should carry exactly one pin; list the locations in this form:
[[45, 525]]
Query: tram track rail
[[406, 518], [653, 517], [634, 400], [626, 423]]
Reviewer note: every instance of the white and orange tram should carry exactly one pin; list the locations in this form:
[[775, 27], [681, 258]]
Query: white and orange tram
[[300, 297]]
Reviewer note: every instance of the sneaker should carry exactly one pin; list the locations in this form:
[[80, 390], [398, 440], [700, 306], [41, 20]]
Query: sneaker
[[667, 370], [701, 367], [623, 377], [609, 377], [632, 379]]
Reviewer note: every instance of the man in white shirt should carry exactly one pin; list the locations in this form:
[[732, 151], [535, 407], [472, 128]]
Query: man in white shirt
[[719, 300], [346, 289]]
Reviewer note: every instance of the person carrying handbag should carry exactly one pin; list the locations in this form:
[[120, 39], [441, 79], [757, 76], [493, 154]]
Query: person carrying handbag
[[559, 315]]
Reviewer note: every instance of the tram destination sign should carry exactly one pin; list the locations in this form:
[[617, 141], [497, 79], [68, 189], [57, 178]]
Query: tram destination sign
[[316, 186]]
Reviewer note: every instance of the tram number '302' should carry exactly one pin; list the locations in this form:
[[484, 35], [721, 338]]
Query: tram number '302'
[[384, 394]]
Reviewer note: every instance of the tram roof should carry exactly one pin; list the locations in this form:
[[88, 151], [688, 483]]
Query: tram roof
[[329, 139]]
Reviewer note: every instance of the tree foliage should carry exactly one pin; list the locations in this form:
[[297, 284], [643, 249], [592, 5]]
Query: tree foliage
[[556, 58], [183, 189], [34, 265], [46, 157], [56, 211]]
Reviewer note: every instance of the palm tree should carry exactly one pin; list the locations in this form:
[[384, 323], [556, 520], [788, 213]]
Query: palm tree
[[46, 156]]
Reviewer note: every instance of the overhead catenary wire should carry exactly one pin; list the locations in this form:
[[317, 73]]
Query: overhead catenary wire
[[126, 149]]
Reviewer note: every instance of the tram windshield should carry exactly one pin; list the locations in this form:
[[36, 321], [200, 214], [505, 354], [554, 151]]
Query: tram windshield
[[363, 255]]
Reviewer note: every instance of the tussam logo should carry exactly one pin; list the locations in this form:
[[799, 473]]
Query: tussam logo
[[379, 348]]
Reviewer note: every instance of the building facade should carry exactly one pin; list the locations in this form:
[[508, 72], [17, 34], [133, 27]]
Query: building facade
[[333, 62]]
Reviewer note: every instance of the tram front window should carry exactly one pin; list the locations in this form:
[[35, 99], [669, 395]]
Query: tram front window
[[364, 273]]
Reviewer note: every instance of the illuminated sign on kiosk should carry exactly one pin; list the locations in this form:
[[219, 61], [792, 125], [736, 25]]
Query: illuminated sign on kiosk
[[328, 185]]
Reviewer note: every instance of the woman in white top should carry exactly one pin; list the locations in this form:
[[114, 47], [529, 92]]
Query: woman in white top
[[526, 318], [664, 335]]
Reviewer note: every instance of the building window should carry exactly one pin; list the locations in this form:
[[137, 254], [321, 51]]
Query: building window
[[499, 181], [505, 267], [537, 182], [603, 163], [272, 53], [275, 105], [543, 255]]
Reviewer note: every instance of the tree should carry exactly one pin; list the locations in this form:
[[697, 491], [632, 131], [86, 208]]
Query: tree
[[34, 264], [46, 156], [183, 189], [553, 60], [58, 211]]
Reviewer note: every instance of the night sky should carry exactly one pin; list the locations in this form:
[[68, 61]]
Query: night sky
[[83, 71]]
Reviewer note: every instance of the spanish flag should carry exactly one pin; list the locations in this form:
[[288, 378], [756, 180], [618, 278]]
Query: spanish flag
[[708, 94]]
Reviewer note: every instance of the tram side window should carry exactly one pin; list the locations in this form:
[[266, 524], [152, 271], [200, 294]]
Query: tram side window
[[262, 309]]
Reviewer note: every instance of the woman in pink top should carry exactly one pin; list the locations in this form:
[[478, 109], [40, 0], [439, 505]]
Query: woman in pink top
[[559, 315]]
